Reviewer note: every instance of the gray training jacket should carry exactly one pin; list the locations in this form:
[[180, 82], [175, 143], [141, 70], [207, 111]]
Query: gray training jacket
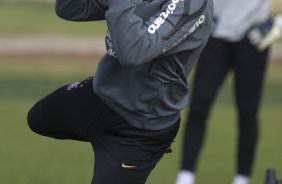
[[152, 46]]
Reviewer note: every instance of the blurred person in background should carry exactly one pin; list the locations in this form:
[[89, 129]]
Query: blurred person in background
[[242, 33], [130, 109]]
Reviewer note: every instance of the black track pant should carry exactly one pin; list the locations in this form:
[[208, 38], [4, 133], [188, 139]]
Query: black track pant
[[248, 65], [123, 154]]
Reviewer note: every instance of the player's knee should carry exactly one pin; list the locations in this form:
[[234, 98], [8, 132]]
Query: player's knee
[[248, 120], [34, 119]]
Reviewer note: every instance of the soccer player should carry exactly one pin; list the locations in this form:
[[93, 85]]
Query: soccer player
[[238, 43], [129, 110]]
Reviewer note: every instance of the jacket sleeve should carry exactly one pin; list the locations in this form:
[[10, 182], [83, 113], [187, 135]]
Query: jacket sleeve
[[80, 10], [136, 41]]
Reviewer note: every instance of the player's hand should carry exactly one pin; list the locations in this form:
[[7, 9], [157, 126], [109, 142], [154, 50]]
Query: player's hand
[[263, 35], [273, 35]]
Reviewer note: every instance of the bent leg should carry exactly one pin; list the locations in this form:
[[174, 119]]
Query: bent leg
[[65, 113]]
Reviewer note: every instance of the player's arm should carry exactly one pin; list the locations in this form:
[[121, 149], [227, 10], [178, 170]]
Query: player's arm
[[80, 10], [136, 41]]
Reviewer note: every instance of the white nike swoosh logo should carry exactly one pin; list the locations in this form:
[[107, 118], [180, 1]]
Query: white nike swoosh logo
[[123, 165]]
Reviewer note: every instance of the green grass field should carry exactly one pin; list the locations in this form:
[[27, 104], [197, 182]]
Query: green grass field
[[27, 158]]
